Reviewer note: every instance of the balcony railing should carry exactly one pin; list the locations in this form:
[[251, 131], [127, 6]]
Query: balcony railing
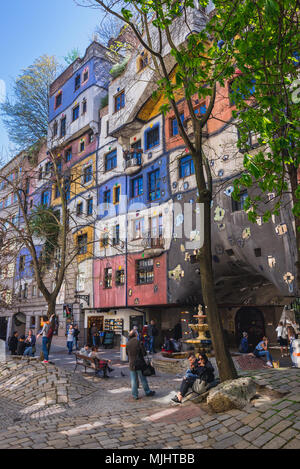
[[132, 161], [153, 246]]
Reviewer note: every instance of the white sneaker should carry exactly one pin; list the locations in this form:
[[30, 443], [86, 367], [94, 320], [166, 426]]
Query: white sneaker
[[269, 364]]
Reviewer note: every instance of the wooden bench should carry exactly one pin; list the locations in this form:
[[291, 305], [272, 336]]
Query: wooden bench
[[91, 362]]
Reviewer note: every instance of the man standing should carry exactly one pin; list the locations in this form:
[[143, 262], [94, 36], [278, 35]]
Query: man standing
[[76, 334], [152, 333], [136, 351], [44, 333], [94, 334], [13, 343]]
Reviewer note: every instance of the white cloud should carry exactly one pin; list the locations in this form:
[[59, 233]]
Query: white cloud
[[2, 91]]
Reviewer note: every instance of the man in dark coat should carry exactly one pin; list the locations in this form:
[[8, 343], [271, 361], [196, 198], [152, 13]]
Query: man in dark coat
[[152, 333], [13, 343], [136, 351]]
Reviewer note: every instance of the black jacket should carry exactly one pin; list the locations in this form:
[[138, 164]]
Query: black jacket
[[206, 372], [135, 351], [13, 343], [21, 348]]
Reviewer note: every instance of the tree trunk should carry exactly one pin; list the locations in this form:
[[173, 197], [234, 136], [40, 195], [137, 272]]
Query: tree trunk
[[224, 360], [293, 176]]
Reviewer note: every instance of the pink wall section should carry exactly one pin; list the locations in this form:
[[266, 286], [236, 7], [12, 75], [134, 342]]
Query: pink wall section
[[152, 294]]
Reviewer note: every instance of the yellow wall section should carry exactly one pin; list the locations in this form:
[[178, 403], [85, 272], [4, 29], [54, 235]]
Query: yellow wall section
[[89, 230], [77, 185]]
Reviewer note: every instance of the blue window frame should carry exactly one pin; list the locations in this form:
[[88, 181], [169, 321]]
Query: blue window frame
[[45, 198], [119, 101], [88, 174], [75, 112], [202, 110], [152, 137], [68, 154], [186, 166], [137, 186], [106, 196], [153, 185], [174, 125], [111, 160], [238, 205], [137, 154], [90, 207], [77, 81], [63, 127]]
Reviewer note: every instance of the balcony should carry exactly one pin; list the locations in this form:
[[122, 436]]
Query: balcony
[[132, 161], [153, 247]]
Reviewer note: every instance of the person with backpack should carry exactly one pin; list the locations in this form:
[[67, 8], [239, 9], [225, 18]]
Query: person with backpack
[[152, 333], [136, 352], [13, 343]]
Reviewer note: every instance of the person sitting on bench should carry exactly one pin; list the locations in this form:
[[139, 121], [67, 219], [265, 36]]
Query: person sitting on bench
[[201, 369], [104, 364]]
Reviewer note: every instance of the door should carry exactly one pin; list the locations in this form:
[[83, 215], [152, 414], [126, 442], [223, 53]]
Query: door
[[98, 321], [249, 320], [136, 321]]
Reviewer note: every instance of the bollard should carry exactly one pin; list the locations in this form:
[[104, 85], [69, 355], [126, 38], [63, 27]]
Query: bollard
[[123, 343], [296, 353]]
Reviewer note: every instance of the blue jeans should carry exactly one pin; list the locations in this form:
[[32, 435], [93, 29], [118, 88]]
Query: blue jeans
[[70, 346], [151, 344], [28, 351], [264, 353], [75, 343], [45, 347], [134, 377]]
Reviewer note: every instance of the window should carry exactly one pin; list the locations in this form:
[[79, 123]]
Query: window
[[82, 244], [56, 192], [108, 277], [48, 167], [45, 198], [238, 205], [91, 137], [55, 128], [87, 174], [186, 166], [104, 241], [84, 106], [89, 207], [152, 137], [27, 186], [59, 165], [58, 99], [116, 194], [111, 160], [137, 186], [144, 271], [156, 227], [119, 101], [116, 237], [81, 146], [153, 185], [40, 172], [22, 263], [33, 290], [106, 197], [79, 208], [67, 188], [85, 75], [120, 278], [75, 113], [174, 125], [25, 291], [68, 154], [77, 82], [138, 228], [137, 146], [63, 127]]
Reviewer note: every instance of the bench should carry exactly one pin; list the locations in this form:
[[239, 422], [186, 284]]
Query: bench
[[91, 362]]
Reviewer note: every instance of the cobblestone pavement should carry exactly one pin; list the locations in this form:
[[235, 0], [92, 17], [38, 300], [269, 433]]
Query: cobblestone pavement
[[108, 418]]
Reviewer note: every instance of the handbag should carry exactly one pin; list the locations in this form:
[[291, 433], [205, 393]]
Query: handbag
[[149, 370]]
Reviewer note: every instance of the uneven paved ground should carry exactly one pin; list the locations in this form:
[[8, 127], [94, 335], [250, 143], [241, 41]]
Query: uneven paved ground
[[107, 418]]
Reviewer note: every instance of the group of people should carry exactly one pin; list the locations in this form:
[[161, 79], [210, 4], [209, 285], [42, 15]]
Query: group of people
[[286, 334], [149, 335], [22, 345], [94, 353]]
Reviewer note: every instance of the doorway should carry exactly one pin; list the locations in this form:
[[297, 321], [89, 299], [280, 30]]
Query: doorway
[[250, 320], [3, 328], [98, 321], [136, 321]]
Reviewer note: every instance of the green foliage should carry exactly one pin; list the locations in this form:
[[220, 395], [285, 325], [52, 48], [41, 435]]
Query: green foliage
[[44, 225], [118, 69], [72, 56], [25, 116]]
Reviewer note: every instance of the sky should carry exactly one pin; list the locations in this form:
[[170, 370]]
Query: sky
[[31, 28]]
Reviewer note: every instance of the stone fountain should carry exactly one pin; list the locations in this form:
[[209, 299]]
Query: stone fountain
[[201, 343]]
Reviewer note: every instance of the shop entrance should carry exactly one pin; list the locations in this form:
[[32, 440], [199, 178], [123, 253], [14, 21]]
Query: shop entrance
[[136, 321], [98, 321], [249, 320]]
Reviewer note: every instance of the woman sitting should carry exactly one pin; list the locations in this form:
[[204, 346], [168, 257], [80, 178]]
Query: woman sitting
[[200, 369], [261, 350], [103, 364]]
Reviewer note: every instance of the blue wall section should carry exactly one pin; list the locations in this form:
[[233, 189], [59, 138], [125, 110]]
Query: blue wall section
[[117, 209], [28, 270]]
